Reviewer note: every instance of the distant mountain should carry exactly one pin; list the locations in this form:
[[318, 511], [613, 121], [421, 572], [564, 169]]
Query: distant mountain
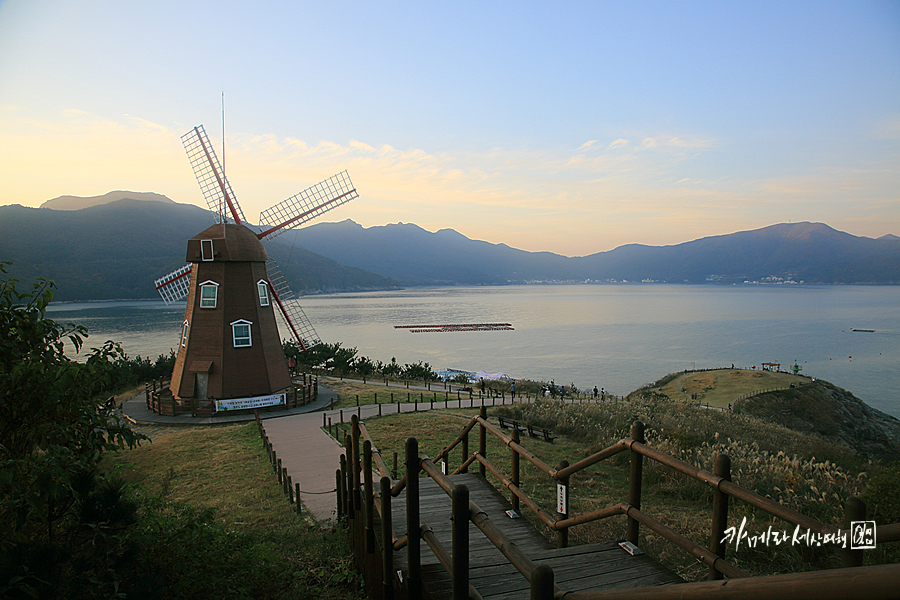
[[807, 252], [115, 250], [414, 256], [79, 202]]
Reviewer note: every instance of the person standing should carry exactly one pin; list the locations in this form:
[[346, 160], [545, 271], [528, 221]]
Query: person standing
[[512, 390], [595, 392]]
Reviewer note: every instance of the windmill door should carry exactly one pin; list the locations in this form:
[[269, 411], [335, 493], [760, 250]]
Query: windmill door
[[202, 384]]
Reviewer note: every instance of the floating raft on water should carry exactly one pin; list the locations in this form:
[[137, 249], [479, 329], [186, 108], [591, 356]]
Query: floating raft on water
[[457, 327]]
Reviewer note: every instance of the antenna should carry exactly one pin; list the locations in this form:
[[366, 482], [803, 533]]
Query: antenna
[[223, 131]]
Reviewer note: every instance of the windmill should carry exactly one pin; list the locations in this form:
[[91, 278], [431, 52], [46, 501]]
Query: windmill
[[229, 349]]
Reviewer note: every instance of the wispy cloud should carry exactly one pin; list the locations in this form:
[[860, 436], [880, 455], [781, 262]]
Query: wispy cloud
[[558, 199]]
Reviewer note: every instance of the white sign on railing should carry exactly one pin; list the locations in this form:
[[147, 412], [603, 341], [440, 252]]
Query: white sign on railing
[[250, 403], [562, 498]]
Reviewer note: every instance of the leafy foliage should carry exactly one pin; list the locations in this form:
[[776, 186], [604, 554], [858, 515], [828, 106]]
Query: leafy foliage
[[334, 359], [59, 523]]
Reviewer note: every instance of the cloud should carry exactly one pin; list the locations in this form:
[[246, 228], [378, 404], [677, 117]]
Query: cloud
[[550, 198]]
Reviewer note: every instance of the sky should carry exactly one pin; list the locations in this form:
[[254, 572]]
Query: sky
[[569, 127]]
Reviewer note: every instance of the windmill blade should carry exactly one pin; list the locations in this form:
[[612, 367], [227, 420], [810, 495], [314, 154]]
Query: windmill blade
[[308, 204], [294, 317], [215, 187], [175, 285]]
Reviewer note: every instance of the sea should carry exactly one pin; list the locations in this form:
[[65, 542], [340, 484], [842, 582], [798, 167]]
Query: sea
[[614, 336]]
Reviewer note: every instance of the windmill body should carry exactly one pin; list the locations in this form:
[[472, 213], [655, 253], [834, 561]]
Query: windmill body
[[229, 346]]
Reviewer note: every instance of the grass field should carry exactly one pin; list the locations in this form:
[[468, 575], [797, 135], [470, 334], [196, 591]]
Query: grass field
[[255, 545], [722, 387]]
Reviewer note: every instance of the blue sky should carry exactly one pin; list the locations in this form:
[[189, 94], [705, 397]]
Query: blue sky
[[572, 127]]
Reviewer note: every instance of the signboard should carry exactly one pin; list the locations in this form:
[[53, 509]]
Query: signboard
[[562, 498], [250, 403]]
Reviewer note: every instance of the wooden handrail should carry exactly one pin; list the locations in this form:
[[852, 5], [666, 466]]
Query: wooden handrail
[[541, 513], [445, 453], [686, 544], [518, 448], [437, 475], [440, 552], [732, 489], [888, 533], [710, 556], [616, 448], [379, 461], [879, 582], [504, 544]]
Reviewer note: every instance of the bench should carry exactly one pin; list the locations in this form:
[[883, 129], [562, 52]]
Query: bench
[[511, 424], [540, 432]]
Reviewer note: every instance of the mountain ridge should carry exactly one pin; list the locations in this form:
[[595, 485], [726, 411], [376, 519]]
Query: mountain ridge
[[808, 252], [114, 250]]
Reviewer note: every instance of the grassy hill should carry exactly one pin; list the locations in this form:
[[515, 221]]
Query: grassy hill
[[795, 402], [722, 387]]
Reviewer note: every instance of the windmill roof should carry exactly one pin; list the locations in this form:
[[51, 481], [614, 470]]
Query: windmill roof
[[230, 243]]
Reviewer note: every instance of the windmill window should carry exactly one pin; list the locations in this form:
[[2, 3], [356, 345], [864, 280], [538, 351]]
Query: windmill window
[[240, 331], [209, 293], [263, 288], [184, 333], [206, 250]]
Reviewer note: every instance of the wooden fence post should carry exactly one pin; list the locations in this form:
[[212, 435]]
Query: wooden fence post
[[562, 535], [413, 526], [387, 542], [482, 440], [634, 486], [297, 495], [542, 583], [465, 452], [339, 481], [515, 470], [369, 497], [348, 473], [460, 542], [854, 510], [717, 543], [357, 467]]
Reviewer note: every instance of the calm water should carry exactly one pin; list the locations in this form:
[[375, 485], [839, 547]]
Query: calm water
[[613, 336]]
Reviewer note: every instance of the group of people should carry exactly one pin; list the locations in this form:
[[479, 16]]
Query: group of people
[[551, 390]]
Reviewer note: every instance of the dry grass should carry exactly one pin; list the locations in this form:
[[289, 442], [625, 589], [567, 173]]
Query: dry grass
[[223, 468], [226, 469], [722, 387], [768, 459]]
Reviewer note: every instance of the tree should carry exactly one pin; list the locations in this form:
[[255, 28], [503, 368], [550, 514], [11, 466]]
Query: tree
[[365, 367], [419, 371], [58, 522]]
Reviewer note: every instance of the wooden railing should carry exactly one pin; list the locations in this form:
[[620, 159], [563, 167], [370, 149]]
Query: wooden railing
[[359, 500], [161, 401]]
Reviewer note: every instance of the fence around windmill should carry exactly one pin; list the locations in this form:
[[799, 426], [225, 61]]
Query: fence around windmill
[[304, 390]]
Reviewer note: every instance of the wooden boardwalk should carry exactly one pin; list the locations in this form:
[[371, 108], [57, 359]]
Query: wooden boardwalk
[[579, 568]]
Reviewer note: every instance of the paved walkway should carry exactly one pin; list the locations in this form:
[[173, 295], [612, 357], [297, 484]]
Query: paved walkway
[[309, 454]]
